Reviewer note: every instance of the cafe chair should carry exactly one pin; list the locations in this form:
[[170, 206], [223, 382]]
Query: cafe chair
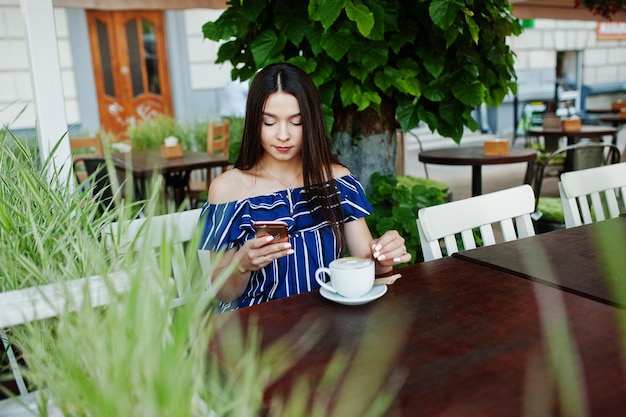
[[440, 226], [105, 189], [548, 214], [217, 141], [27, 305], [84, 147], [149, 233], [593, 194]]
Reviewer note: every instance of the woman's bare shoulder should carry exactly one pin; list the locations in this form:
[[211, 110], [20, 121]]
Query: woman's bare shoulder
[[232, 185], [340, 171]]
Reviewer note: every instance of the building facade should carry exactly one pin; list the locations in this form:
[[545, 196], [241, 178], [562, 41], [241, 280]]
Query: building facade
[[558, 60]]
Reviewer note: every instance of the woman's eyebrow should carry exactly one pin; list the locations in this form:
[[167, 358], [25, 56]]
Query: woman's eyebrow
[[289, 117]]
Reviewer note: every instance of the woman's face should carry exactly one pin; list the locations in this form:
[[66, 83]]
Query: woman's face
[[281, 130]]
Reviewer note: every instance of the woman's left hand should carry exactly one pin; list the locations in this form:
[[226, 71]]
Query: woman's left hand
[[389, 249]]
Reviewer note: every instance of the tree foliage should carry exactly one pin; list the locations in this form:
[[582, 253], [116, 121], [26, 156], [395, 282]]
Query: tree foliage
[[430, 60], [604, 8]]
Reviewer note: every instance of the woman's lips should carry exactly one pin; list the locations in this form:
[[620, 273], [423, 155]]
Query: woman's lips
[[283, 149]]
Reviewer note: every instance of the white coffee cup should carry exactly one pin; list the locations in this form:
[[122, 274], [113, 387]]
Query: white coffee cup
[[350, 277]]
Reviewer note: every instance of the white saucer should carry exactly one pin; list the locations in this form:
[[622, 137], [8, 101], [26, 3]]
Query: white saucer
[[377, 291]]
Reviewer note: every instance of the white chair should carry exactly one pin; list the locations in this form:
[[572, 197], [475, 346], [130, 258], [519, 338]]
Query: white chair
[[593, 194], [510, 208], [43, 302], [148, 234]]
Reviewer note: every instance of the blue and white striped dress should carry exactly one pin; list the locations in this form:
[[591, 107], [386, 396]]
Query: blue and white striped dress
[[229, 225]]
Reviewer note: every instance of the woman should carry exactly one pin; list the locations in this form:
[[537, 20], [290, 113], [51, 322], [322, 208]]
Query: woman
[[285, 171]]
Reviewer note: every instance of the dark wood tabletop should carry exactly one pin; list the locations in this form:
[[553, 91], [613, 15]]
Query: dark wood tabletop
[[176, 171], [147, 162], [585, 131], [573, 259], [474, 156], [602, 110], [616, 120], [469, 336]]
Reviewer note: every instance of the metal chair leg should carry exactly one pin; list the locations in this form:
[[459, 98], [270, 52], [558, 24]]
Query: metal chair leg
[[419, 142], [15, 368]]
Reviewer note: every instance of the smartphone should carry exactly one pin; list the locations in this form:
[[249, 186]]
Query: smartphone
[[278, 229]]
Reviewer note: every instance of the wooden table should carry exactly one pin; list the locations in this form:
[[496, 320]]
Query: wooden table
[[568, 259], [552, 136], [471, 335], [474, 156], [617, 120], [603, 110], [176, 171]]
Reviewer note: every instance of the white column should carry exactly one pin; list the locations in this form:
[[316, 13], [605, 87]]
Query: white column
[[45, 70]]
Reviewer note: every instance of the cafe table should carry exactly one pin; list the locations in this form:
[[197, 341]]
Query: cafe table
[[176, 171], [616, 120], [573, 260], [552, 135], [602, 110], [470, 342], [474, 156]]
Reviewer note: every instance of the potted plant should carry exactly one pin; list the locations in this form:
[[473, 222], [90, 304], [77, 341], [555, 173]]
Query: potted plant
[[396, 201]]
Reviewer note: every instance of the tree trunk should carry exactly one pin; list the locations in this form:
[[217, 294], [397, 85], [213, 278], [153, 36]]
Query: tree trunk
[[366, 141]]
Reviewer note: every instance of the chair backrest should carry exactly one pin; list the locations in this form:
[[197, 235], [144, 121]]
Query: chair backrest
[[84, 147], [583, 155], [593, 194], [27, 305], [150, 232], [217, 138], [510, 208], [43, 302], [105, 190]]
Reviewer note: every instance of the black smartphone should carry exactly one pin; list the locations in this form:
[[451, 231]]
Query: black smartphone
[[277, 228]]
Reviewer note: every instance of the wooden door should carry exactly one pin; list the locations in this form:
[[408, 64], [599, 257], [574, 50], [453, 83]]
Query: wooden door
[[130, 66]]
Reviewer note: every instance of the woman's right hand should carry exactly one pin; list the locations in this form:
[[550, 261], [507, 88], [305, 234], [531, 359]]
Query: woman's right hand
[[257, 253]]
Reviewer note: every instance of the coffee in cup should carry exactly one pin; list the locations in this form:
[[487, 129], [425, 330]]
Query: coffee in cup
[[350, 277]]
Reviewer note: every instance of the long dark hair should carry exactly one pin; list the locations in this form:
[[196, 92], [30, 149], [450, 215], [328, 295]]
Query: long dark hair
[[317, 158]]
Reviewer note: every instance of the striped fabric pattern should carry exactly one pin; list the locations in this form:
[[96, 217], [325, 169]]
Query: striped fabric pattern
[[229, 225]]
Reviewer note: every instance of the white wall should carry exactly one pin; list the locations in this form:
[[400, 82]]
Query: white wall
[[203, 71], [16, 107]]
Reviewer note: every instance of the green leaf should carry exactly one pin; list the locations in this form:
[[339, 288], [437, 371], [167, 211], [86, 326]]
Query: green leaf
[[217, 31], [322, 74], [336, 44], [414, 87], [368, 99], [473, 28], [263, 46], [470, 94], [313, 35], [451, 36], [434, 92], [443, 12], [348, 91], [435, 64], [362, 16], [385, 78], [385, 19], [375, 56], [407, 114], [227, 51], [358, 72], [307, 65], [326, 11], [291, 24]]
